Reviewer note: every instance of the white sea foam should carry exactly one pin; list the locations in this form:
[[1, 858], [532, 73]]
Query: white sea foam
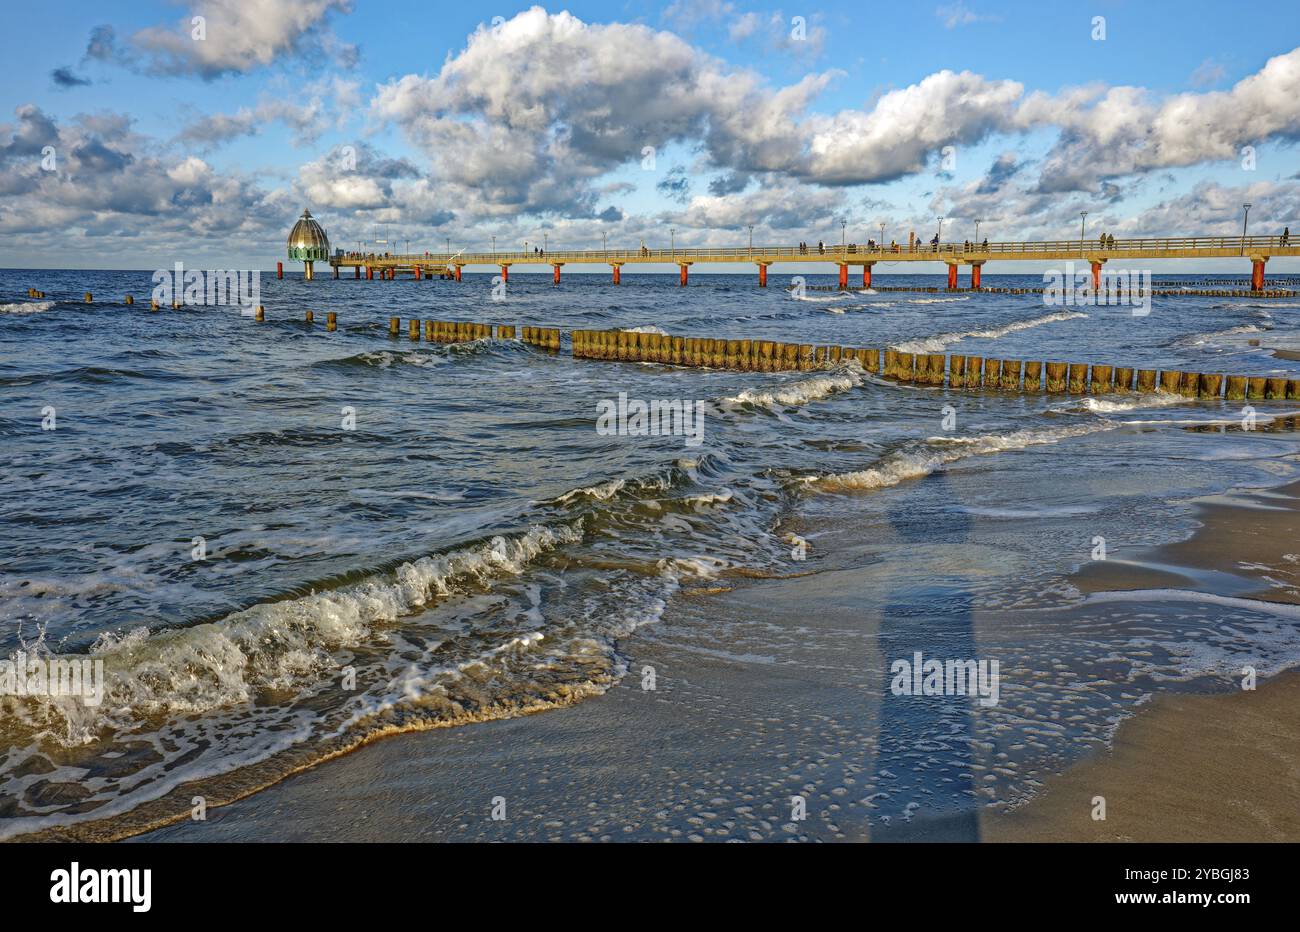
[[278, 645], [1116, 404], [1200, 339], [648, 328], [1285, 610], [801, 392], [938, 342], [27, 307], [939, 451], [818, 299], [384, 359]]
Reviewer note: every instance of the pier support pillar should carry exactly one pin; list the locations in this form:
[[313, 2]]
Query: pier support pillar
[[844, 277], [336, 272], [975, 268], [555, 279], [456, 269], [279, 270], [505, 273], [1096, 273], [952, 275], [866, 275], [618, 268], [762, 274], [418, 272], [356, 270], [370, 273], [310, 272], [1257, 272], [685, 276]]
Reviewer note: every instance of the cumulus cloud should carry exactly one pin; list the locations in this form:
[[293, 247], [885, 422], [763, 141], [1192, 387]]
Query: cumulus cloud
[[356, 176], [534, 109], [108, 182], [306, 119], [221, 37], [1118, 131]]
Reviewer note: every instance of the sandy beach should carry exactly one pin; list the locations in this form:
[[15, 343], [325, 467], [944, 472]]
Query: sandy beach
[[718, 748]]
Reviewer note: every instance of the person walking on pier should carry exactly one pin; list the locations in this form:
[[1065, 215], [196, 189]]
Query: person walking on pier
[[1286, 236]]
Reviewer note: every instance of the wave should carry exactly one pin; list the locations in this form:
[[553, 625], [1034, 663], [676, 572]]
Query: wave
[[816, 299], [26, 307], [938, 342], [801, 392], [1200, 339], [1120, 403], [936, 452], [647, 328], [386, 359], [276, 645]]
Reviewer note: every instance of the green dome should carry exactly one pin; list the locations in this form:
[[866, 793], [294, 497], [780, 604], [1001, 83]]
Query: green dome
[[307, 241]]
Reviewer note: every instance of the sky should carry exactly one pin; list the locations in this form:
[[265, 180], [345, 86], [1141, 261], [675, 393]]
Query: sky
[[138, 134]]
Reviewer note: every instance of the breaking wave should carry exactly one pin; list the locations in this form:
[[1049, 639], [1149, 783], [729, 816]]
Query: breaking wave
[[938, 342], [26, 307], [801, 392], [935, 452]]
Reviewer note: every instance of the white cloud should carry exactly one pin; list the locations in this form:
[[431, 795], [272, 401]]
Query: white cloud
[[1118, 131], [240, 36]]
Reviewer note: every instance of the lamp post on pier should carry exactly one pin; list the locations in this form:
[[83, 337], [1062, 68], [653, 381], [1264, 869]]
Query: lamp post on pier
[[1245, 218], [1083, 226]]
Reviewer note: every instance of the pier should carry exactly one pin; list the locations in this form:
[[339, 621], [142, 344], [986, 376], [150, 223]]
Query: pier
[[1257, 250]]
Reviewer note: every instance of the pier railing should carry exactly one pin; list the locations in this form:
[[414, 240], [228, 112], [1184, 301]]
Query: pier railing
[[854, 253]]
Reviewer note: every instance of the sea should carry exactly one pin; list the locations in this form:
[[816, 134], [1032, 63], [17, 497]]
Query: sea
[[283, 542]]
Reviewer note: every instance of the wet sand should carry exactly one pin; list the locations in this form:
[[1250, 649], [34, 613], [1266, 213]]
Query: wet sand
[[1220, 768], [733, 729], [1193, 767]]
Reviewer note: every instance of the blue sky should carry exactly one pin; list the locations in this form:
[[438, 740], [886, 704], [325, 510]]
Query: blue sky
[[430, 122]]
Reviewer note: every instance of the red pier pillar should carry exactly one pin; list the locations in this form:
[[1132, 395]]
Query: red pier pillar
[[684, 275], [505, 273], [844, 276], [556, 278], [457, 270], [762, 275], [952, 276], [975, 276], [1257, 274], [279, 270], [617, 269], [866, 276], [418, 273], [370, 273], [1096, 276]]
